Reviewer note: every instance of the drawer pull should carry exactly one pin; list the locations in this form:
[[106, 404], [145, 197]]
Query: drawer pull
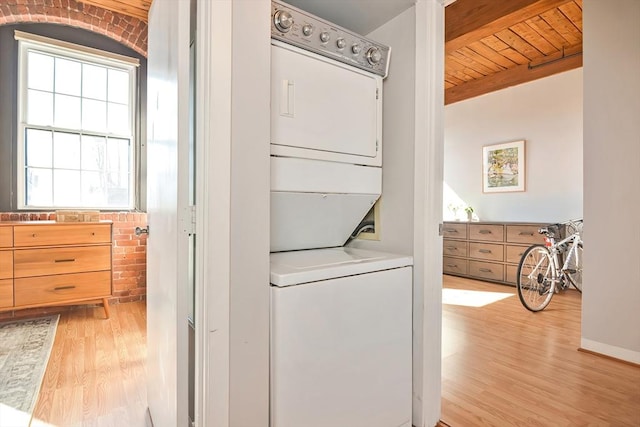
[[526, 233], [485, 232], [65, 260], [451, 230], [485, 270], [62, 288], [452, 265], [484, 251], [452, 248]]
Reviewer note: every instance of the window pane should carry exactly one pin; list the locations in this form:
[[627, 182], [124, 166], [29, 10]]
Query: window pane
[[39, 146], [68, 77], [119, 86], [39, 108], [119, 119], [40, 71], [94, 189], [38, 187], [117, 155], [67, 112], [66, 188], [94, 115], [66, 150], [118, 189], [94, 153], [94, 82]]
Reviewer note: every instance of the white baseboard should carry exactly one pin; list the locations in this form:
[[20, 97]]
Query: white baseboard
[[611, 350]]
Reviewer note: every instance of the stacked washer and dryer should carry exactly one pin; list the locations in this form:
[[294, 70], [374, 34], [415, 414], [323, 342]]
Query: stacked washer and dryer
[[341, 323]]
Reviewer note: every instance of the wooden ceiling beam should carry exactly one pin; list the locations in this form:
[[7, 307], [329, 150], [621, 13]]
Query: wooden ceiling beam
[[136, 8], [467, 21], [553, 64]]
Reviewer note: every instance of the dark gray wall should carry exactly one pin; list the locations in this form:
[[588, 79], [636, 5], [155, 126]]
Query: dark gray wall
[[9, 94]]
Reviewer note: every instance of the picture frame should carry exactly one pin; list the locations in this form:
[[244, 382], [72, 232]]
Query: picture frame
[[503, 167]]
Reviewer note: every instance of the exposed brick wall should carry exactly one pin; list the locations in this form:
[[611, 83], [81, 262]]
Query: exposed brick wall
[[130, 31], [129, 258]]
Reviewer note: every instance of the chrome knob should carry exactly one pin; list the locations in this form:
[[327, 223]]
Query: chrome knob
[[283, 20], [374, 56], [324, 37], [139, 231], [341, 43], [307, 30], [356, 48]]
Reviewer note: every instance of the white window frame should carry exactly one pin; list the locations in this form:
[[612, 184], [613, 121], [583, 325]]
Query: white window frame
[[31, 42]]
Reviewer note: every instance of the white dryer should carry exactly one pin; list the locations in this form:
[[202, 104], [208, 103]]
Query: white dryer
[[340, 339]]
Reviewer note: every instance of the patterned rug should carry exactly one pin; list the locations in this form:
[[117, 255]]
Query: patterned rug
[[25, 347]]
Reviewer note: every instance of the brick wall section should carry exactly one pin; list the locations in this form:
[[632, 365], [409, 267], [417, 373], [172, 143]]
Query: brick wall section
[[129, 258], [128, 30]]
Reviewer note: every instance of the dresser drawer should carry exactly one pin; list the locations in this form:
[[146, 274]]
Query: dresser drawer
[[487, 232], [62, 288], [6, 293], [454, 265], [486, 270], [454, 248], [486, 251], [524, 234], [510, 274], [40, 262], [454, 230], [61, 234], [6, 237], [513, 253], [6, 264]]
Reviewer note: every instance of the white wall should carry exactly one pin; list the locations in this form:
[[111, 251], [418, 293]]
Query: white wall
[[412, 176], [547, 113], [611, 299]]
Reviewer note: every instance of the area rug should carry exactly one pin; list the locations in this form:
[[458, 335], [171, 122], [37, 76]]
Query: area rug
[[25, 347]]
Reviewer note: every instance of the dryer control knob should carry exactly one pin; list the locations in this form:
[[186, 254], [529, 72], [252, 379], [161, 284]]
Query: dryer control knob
[[324, 37], [374, 56], [341, 43], [283, 20], [356, 49], [307, 30]]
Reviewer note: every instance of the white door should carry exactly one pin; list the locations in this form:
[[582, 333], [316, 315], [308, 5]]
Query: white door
[[323, 107], [167, 199]]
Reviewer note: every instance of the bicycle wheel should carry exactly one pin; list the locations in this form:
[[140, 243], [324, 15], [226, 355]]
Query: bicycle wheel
[[574, 268], [535, 278]]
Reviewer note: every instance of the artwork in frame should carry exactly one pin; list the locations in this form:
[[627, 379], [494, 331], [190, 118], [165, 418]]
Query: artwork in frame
[[503, 167]]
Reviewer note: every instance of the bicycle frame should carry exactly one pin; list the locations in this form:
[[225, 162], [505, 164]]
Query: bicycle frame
[[556, 248]]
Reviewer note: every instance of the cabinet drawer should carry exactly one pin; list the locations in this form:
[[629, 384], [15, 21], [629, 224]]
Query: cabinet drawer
[[486, 270], [514, 253], [488, 251], [61, 234], [511, 272], [6, 293], [524, 234], [454, 265], [40, 262], [454, 248], [454, 230], [487, 232], [6, 237], [62, 288], [6, 264]]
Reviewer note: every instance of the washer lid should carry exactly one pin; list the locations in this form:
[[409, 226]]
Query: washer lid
[[297, 267]]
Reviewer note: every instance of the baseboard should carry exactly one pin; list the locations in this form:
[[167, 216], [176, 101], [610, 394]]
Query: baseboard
[[609, 351]]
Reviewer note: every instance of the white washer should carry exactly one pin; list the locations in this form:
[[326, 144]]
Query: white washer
[[340, 338]]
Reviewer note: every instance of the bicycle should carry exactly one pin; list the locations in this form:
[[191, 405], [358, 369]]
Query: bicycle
[[542, 272]]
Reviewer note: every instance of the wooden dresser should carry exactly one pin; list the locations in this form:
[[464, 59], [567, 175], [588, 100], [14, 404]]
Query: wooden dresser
[[44, 263], [487, 250]]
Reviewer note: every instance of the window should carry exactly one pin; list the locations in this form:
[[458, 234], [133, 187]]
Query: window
[[76, 126]]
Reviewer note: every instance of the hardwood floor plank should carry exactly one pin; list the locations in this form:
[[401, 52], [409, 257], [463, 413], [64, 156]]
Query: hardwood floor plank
[[503, 365]]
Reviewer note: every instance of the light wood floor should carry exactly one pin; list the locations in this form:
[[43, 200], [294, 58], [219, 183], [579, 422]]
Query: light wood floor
[[96, 373], [503, 365]]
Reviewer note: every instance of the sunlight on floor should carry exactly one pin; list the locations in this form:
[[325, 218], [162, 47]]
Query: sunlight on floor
[[13, 417], [471, 298]]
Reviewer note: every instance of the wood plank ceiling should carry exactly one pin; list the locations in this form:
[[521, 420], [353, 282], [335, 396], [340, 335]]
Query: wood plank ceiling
[[489, 44], [494, 44]]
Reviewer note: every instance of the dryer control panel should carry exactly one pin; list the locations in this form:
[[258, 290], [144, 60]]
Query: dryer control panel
[[299, 28]]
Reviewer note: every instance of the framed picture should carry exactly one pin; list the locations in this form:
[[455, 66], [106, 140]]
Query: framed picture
[[503, 167]]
